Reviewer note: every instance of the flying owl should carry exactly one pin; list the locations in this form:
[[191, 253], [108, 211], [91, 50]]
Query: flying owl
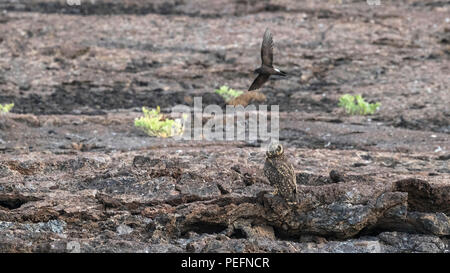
[[281, 173]]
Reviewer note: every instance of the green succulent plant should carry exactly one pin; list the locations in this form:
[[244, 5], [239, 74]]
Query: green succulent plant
[[6, 108], [355, 105], [228, 93], [155, 124]]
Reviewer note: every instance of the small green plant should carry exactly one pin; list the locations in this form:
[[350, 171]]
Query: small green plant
[[355, 105], [6, 108], [228, 93], [155, 124]]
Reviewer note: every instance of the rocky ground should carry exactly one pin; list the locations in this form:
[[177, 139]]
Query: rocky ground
[[76, 175]]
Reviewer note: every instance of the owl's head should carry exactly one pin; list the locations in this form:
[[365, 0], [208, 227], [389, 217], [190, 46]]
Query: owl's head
[[274, 150]]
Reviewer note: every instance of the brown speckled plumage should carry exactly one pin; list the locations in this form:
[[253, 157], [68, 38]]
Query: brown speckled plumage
[[281, 173]]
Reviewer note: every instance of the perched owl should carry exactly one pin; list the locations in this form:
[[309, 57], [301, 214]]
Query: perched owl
[[280, 173]]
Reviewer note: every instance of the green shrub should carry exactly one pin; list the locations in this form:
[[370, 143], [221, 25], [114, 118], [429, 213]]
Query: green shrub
[[355, 105], [6, 108], [228, 93], [155, 124]]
